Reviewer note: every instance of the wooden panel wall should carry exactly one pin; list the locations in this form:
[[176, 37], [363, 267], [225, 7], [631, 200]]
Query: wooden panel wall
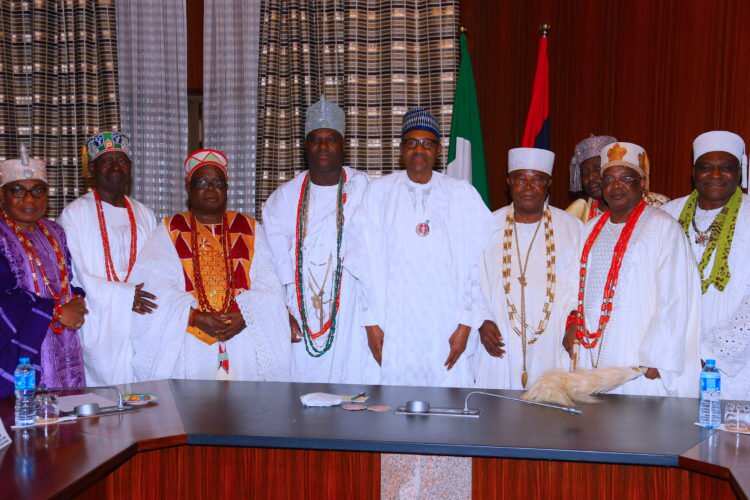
[[204, 472], [652, 72], [501, 479]]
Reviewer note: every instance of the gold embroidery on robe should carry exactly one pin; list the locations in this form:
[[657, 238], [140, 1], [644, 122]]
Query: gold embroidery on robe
[[213, 266]]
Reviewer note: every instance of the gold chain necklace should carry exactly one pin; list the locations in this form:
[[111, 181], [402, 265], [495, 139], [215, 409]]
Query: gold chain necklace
[[549, 239]]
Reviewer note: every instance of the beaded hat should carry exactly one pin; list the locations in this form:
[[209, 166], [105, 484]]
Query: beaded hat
[[108, 142], [625, 154], [22, 169], [324, 114], [205, 158], [420, 119], [588, 148]]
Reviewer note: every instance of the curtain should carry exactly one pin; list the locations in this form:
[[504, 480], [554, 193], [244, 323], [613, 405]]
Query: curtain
[[375, 58], [152, 44], [230, 76], [58, 84]]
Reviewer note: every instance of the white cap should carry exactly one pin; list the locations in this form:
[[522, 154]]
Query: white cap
[[721, 140], [625, 154], [537, 159]]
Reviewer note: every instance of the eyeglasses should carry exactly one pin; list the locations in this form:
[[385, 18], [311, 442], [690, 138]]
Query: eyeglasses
[[625, 179], [19, 192], [218, 184], [426, 143]]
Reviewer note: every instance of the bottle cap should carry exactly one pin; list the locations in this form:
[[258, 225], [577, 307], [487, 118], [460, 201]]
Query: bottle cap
[[711, 363], [23, 360]]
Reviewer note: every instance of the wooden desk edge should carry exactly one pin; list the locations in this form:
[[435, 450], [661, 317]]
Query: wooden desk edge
[[80, 485], [714, 470]]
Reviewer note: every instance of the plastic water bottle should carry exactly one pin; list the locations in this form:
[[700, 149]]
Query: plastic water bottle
[[709, 412], [25, 379]]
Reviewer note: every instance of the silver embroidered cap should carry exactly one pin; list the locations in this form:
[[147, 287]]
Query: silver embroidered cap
[[325, 114], [22, 169]]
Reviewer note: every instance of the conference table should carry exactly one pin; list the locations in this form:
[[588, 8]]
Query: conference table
[[212, 439]]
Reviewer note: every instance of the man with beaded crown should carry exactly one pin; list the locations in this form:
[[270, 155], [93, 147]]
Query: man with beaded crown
[[221, 309], [585, 175], [106, 231], [319, 256], [639, 294], [527, 278], [716, 219], [42, 312], [425, 233]]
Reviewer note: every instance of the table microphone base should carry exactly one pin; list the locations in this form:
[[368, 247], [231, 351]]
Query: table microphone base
[[439, 412]]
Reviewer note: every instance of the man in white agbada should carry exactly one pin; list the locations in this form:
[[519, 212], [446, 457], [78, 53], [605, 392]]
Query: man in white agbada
[[716, 219], [321, 270], [106, 231], [528, 279], [426, 232], [221, 309], [640, 305]]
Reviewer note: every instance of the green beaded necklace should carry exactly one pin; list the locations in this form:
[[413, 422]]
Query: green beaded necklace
[[301, 231]]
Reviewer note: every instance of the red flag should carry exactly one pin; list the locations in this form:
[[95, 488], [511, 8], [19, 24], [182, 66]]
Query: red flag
[[536, 131]]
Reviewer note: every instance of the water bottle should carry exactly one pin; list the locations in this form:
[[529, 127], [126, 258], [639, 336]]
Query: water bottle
[[709, 412], [25, 380]]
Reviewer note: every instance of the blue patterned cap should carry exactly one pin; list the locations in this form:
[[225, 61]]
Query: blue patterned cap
[[420, 119], [108, 142]]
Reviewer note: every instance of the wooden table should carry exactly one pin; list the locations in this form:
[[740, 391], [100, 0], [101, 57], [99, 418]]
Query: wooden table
[[208, 439]]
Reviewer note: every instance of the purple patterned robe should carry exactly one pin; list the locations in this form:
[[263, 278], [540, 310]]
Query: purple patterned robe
[[25, 317]]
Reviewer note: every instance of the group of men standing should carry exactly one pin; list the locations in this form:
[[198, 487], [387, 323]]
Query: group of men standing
[[407, 279]]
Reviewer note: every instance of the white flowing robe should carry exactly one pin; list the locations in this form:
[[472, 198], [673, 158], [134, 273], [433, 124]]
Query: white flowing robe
[[424, 286], [105, 336], [546, 353], [349, 360], [725, 315], [655, 319], [163, 348]]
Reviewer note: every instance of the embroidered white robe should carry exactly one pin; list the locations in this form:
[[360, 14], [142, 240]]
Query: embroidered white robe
[[163, 348], [424, 286], [656, 309], [105, 336], [349, 360], [725, 315], [546, 353]]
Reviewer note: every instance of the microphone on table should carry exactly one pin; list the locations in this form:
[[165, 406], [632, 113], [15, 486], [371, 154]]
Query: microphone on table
[[566, 409], [120, 402]]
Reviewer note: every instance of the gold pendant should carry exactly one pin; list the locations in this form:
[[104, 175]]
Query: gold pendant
[[524, 378], [317, 302]]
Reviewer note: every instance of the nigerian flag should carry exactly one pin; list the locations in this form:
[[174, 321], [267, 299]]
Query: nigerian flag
[[466, 150]]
